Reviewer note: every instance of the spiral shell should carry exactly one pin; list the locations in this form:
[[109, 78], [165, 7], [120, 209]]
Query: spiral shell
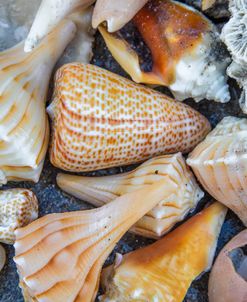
[[18, 207], [219, 163], [101, 120], [101, 190]]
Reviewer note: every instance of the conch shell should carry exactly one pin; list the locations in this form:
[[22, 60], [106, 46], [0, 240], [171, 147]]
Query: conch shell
[[101, 120], [61, 255], [24, 129], [101, 190], [2, 257], [187, 54], [220, 164], [116, 13], [18, 207], [165, 270]]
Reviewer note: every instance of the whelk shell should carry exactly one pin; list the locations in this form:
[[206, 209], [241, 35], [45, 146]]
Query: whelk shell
[[220, 164], [61, 255], [101, 190], [101, 120], [187, 54], [24, 129], [165, 270], [2, 257], [18, 207]]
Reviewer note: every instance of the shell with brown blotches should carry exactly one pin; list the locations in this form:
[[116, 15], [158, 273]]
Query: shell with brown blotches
[[18, 207], [101, 190], [102, 120]]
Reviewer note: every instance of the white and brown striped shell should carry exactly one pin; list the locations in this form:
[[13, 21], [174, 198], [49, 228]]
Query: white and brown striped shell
[[101, 120], [24, 129], [18, 207], [101, 190], [220, 164]]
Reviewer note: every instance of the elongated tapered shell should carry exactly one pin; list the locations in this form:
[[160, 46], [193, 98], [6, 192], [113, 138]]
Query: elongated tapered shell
[[220, 164], [101, 190], [102, 120], [116, 13], [24, 129], [61, 255], [164, 270], [18, 207]]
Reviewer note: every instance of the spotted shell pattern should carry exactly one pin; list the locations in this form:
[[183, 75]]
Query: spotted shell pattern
[[102, 120]]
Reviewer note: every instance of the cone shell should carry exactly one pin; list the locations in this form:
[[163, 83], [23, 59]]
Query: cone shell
[[225, 283], [18, 207], [101, 120], [2, 257], [164, 270], [61, 255], [101, 190], [220, 164], [24, 129]]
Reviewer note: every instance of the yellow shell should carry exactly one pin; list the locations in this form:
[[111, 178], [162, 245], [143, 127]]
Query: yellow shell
[[101, 120], [18, 207], [220, 164], [163, 271], [24, 129], [101, 190], [61, 255]]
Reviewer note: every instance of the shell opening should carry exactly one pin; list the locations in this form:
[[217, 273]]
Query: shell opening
[[238, 257]]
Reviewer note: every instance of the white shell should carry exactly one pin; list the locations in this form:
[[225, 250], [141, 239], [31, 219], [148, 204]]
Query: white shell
[[220, 164]]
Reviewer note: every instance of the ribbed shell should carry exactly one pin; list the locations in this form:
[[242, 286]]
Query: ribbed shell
[[18, 207], [60, 256], [164, 271], [102, 120], [24, 129], [101, 190], [220, 164]]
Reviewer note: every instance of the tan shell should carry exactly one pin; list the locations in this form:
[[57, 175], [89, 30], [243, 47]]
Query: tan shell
[[18, 207], [101, 120], [2, 257], [61, 255], [164, 271], [219, 163], [101, 190], [225, 284], [24, 129]]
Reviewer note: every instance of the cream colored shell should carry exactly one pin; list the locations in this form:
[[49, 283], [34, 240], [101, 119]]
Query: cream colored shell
[[18, 207], [101, 120], [61, 255], [101, 190], [24, 129], [220, 164]]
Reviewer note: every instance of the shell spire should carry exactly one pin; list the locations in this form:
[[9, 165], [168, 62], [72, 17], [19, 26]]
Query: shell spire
[[61, 255], [101, 190], [24, 80], [165, 270], [101, 120]]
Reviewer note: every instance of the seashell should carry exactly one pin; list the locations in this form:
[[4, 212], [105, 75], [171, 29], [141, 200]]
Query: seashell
[[101, 190], [18, 207], [187, 54], [219, 163], [165, 270], [235, 37], [50, 13], [2, 257], [61, 255], [24, 129], [116, 13], [101, 120], [228, 279]]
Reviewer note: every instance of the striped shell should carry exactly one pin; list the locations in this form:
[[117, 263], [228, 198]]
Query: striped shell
[[220, 164], [101, 190], [24, 129], [164, 271], [18, 207], [101, 120], [61, 255]]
